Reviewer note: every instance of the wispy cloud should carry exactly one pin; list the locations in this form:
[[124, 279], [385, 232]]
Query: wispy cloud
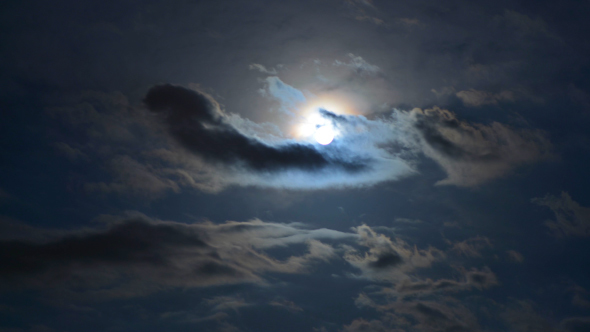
[[474, 97], [571, 219], [471, 247], [288, 97], [358, 65], [262, 69]]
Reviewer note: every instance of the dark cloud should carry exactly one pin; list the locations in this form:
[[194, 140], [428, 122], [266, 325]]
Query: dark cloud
[[133, 241], [385, 260], [132, 246], [155, 254], [194, 120]]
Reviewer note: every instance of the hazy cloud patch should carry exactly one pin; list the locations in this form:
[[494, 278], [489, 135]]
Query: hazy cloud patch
[[471, 247], [361, 325], [286, 304], [571, 219], [358, 65], [576, 324], [262, 69], [515, 256], [521, 316], [446, 314], [474, 97], [474, 278]]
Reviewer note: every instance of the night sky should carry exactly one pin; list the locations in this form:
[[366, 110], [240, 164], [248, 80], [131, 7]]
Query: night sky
[[294, 166]]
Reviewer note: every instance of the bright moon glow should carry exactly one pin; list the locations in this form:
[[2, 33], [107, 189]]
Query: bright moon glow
[[319, 128], [313, 126], [324, 135]]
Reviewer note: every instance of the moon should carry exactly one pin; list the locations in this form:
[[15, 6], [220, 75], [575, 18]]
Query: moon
[[324, 135]]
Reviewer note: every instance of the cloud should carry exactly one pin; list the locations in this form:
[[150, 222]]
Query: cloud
[[364, 10], [195, 121], [355, 158], [361, 325], [480, 279], [446, 314], [579, 298], [135, 256], [571, 218], [525, 25], [472, 154], [262, 69], [70, 152], [471, 247], [129, 175], [437, 316], [408, 22], [386, 259], [223, 303], [521, 316], [188, 141], [286, 304], [478, 98], [288, 97], [358, 65], [515, 256], [576, 324]]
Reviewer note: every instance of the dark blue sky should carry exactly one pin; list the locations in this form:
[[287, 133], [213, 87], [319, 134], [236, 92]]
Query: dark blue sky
[[159, 170]]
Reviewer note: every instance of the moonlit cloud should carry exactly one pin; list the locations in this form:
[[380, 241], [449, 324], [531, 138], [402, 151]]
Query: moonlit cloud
[[195, 121], [389, 259], [472, 154], [288, 97]]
